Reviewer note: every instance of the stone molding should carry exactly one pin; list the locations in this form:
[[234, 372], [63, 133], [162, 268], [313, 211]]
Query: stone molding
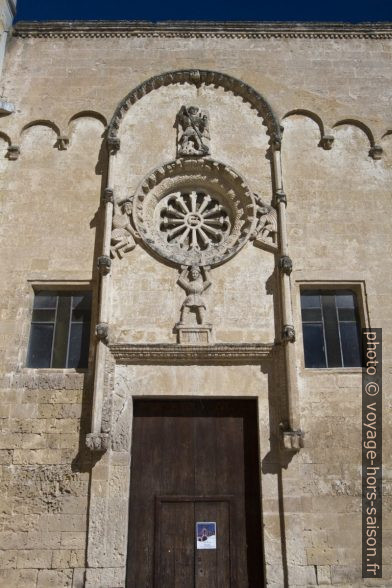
[[198, 77], [172, 354], [201, 29]]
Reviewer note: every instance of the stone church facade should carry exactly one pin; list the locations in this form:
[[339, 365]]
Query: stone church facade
[[195, 228]]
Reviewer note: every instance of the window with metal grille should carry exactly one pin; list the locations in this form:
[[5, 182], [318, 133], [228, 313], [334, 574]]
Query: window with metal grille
[[60, 329], [331, 328]]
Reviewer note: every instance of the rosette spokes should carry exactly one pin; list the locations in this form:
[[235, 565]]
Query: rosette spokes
[[193, 220]]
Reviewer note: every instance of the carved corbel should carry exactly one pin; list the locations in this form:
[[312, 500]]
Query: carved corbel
[[108, 196], [375, 152], [113, 144], [326, 142], [280, 196], [104, 263], [13, 152], [102, 332], [288, 333], [62, 143], [292, 440], [286, 264], [98, 442]]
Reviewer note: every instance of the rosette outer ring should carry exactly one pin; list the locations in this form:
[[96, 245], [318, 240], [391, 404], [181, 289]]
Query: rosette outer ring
[[224, 184]]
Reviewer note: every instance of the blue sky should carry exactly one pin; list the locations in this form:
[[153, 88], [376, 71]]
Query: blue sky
[[306, 10]]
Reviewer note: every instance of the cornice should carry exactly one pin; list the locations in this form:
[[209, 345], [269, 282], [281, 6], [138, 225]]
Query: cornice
[[194, 29], [218, 354]]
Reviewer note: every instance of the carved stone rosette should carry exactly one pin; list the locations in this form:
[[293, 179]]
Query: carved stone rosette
[[194, 212]]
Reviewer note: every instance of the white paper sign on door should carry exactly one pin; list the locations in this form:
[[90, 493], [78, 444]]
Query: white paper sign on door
[[205, 535]]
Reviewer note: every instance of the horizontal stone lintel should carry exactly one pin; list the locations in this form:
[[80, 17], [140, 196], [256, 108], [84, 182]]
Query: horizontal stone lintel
[[168, 353]]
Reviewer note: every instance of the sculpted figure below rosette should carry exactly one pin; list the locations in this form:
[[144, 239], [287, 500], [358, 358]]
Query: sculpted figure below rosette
[[194, 287], [192, 131]]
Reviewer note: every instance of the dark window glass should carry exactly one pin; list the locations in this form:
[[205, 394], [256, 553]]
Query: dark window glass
[[40, 346], [78, 345], [350, 344], [60, 330], [330, 328], [310, 299], [45, 300], [314, 345], [60, 344]]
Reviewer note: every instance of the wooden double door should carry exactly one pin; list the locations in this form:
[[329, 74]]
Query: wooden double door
[[195, 519]]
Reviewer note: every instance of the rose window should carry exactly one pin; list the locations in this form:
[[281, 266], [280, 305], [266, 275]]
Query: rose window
[[193, 220], [194, 212]]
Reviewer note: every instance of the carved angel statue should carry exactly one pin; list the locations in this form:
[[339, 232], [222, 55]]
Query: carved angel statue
[[123, 234], [194, 289], [193, 134], [267, 222]]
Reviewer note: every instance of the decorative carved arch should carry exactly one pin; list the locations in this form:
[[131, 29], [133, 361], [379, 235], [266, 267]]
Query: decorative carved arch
[[89, 114], [375, 151], [360, 125], [199, 77], [4, 137], [42, 123], [308, 114]]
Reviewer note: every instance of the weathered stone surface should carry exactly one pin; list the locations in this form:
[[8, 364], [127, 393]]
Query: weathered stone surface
[[326, 91]]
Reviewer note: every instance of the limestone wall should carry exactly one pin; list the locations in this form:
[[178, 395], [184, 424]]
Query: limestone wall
[[51, 227]]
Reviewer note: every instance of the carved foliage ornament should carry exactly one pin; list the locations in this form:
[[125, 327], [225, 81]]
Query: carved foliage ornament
[[194, 212]]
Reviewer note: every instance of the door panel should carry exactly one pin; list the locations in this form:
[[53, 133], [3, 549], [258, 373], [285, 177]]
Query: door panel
[[174, 552], [194, 460], [212, 566]]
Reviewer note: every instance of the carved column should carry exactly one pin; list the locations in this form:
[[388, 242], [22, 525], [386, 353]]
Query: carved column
[[98, 440], [292, 436]]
